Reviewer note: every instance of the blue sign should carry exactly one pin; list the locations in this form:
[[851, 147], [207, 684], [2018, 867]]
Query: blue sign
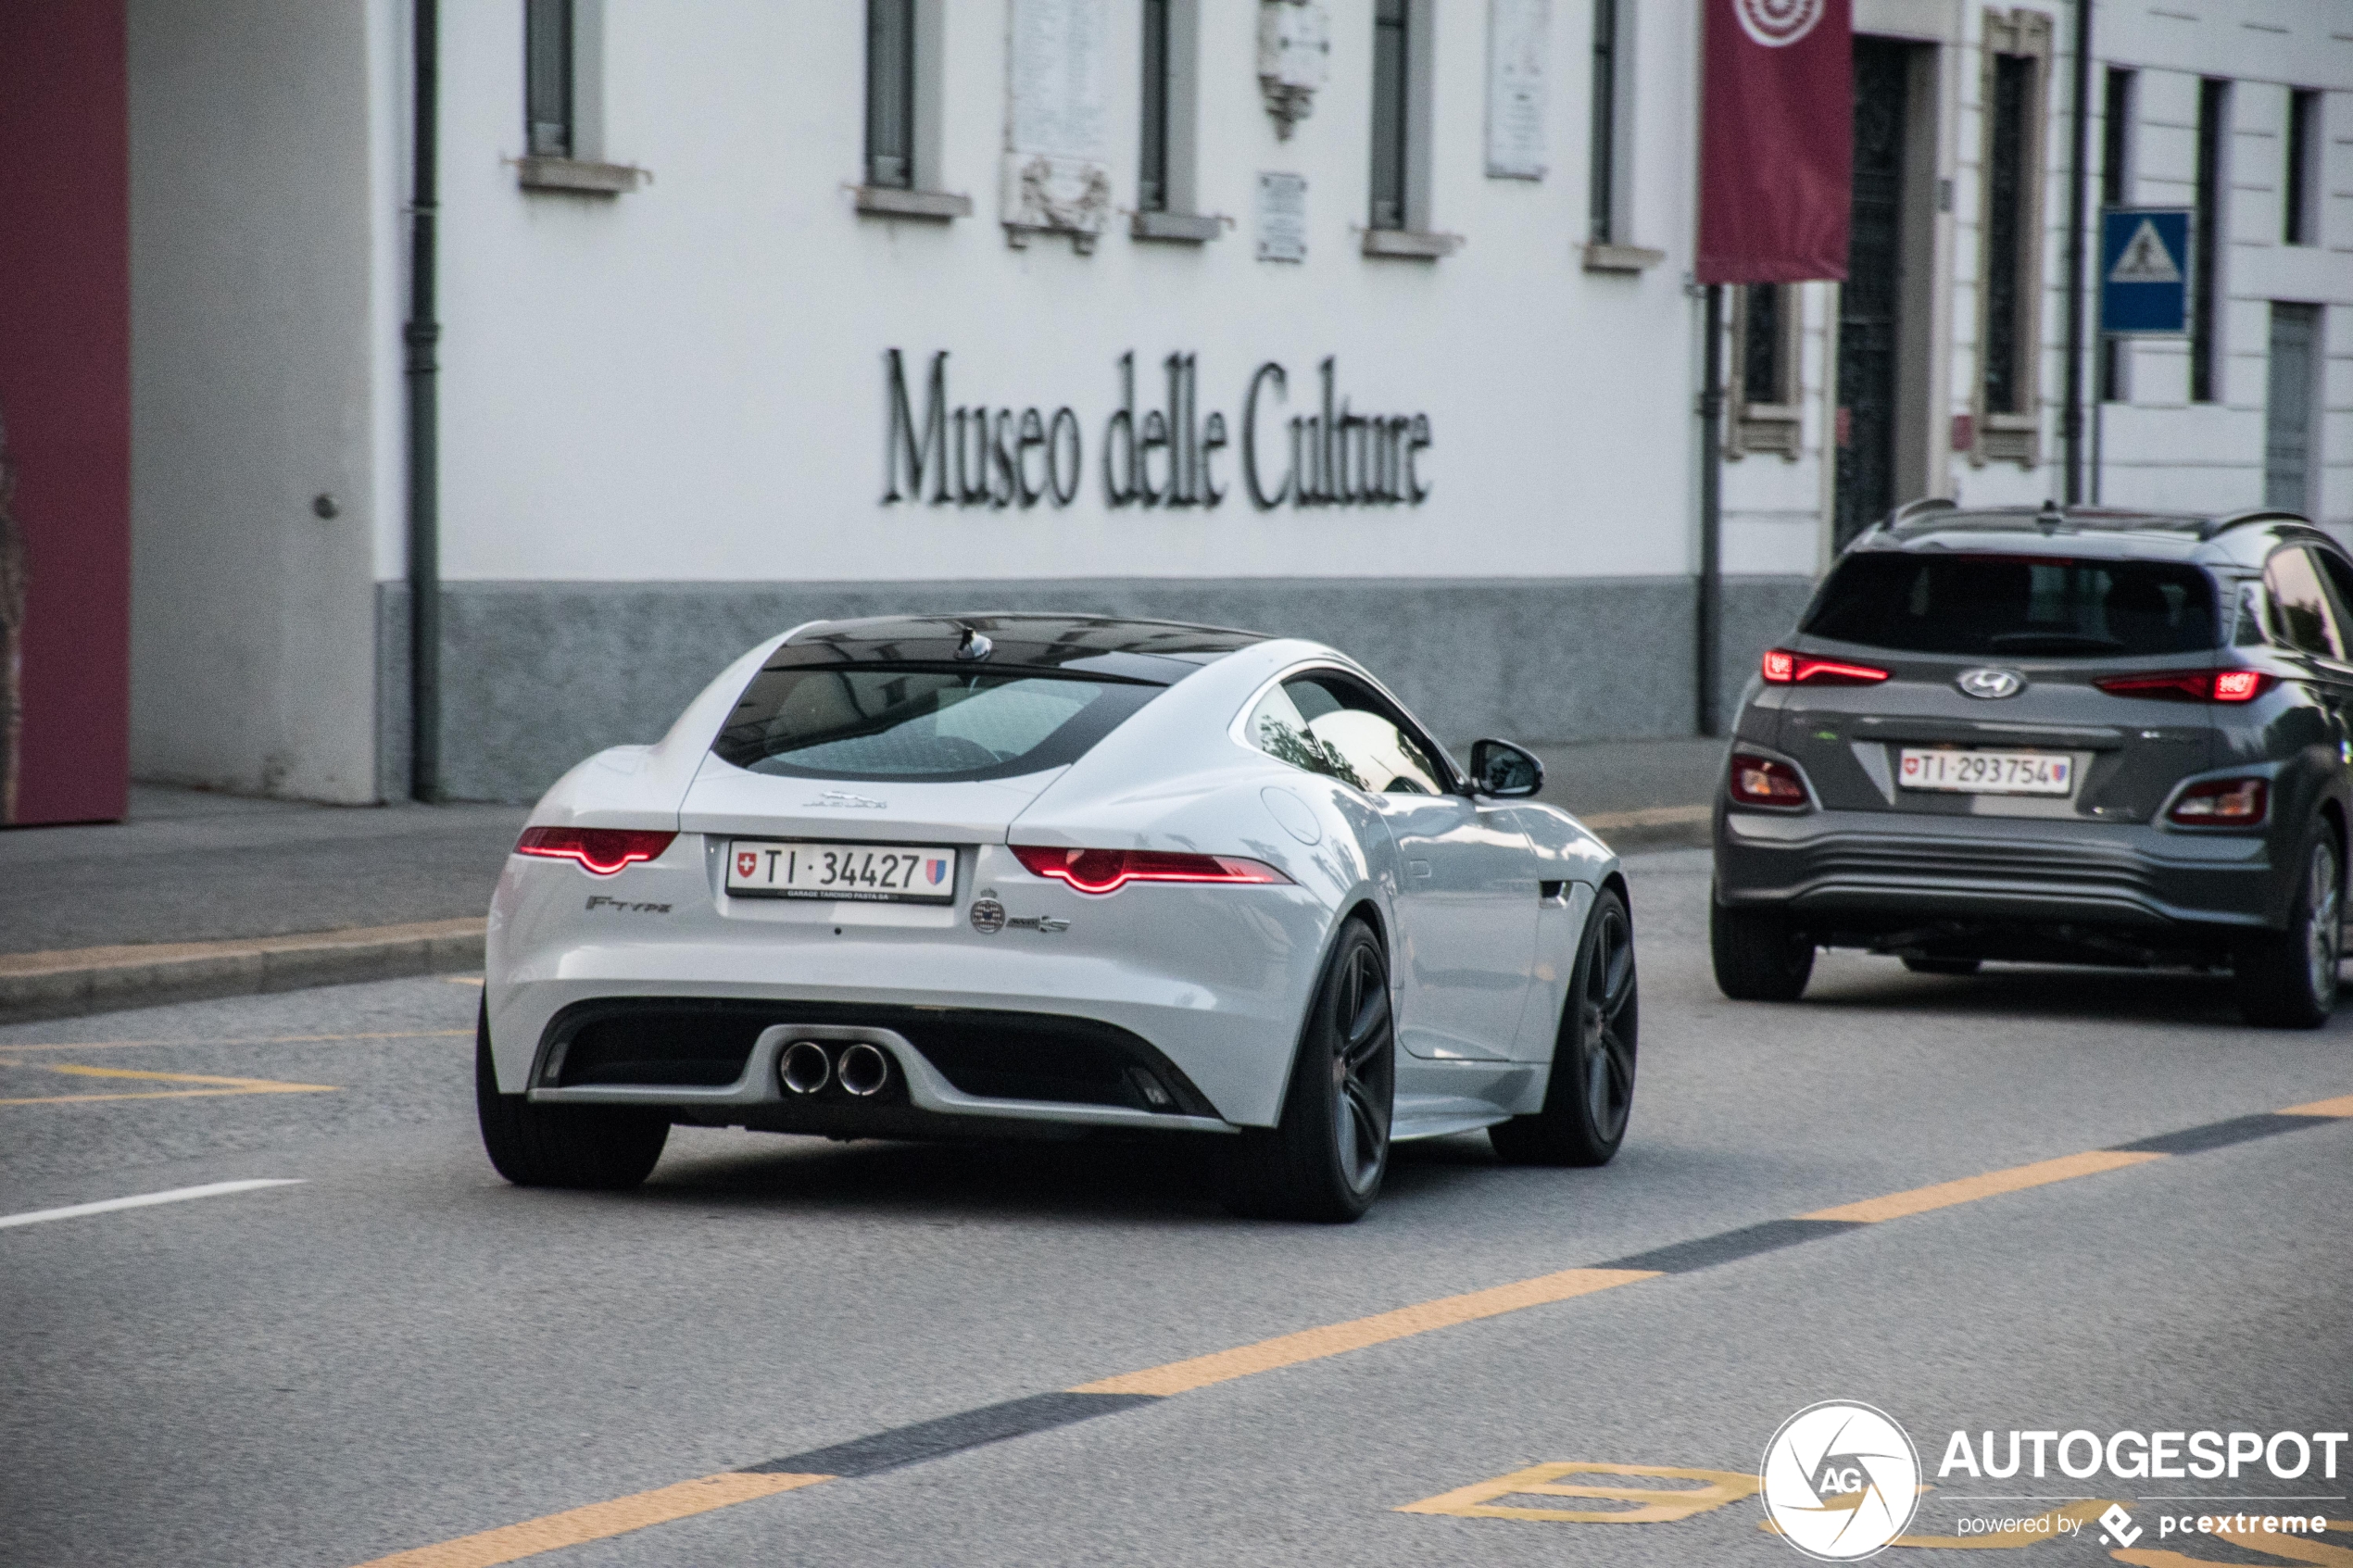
[[2145, 271]]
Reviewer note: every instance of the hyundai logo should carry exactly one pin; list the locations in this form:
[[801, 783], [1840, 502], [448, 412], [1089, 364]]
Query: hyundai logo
[[1991, 684]]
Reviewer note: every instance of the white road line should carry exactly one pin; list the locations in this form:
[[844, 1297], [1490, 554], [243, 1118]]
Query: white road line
[[177, 1195]]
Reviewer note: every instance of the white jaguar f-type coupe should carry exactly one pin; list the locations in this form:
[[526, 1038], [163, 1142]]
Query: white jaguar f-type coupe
[[1003, 875]]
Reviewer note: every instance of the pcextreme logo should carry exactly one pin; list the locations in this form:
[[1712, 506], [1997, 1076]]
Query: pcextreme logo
[[1840, 1480]]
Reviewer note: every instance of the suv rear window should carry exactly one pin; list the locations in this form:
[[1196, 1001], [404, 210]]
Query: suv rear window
[[2016, 605], [885, 721]]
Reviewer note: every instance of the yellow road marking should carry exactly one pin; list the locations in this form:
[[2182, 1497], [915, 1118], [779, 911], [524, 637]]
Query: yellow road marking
[[1315, 1343], [1969, 1189], [1657, 1505], [244, 1040], [2340, 1106], [461, 979], [598, 1521], [216, 1086]]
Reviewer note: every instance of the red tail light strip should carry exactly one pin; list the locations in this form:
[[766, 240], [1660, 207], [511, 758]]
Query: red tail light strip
[[1784, 668], [2192, 685], [1107, 871], [600, 850]]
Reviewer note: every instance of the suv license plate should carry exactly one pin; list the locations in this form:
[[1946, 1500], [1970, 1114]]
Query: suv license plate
[[916, 873], [1988, 772]]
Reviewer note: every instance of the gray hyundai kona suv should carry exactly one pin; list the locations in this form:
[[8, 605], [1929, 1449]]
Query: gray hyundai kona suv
[[2064, 736]]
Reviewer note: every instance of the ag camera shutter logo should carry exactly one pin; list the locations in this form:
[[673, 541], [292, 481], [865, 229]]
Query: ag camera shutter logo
[[1776, 24], [1839, 1481]]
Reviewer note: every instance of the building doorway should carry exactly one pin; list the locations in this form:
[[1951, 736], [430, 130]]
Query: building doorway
[[1873, 300], [2288, 468]]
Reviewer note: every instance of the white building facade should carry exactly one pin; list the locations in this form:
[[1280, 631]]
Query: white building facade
[[1364, 319]]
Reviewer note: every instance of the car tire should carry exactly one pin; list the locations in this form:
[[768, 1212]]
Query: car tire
[[1758, 957], [600, 1147], [1325, 1160], [2288, 979], [1944, 966], [1590, 1096]]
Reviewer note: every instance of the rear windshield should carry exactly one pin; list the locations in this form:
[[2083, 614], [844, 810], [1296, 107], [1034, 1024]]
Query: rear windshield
[[885, 721], [2016, 605]]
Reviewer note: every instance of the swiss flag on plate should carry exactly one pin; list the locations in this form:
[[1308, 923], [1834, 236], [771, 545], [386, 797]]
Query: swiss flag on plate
[[745, 862]]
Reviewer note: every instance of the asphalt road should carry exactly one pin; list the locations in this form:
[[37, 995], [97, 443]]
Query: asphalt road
[[402, 1351]]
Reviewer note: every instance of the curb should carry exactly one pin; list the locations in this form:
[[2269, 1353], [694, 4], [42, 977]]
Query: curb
[[1654, 827], [85, 980]]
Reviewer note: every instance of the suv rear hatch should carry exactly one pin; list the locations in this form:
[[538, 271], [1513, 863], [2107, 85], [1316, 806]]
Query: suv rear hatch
[[1967, 683]]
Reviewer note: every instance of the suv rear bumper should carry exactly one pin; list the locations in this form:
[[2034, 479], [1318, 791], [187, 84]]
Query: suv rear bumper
[[1881, 870]]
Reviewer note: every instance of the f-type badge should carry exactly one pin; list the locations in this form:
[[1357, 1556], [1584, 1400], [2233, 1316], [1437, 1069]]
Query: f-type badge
[[988, 916], [1991, 684]]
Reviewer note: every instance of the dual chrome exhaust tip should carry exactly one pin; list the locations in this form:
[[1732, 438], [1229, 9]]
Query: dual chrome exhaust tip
[[805, 1067]]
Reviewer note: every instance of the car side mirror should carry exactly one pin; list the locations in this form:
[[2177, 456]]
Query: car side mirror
[[1504, 770]]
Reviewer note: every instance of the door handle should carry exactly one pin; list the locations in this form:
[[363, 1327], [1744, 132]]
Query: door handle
[[1417, 870]]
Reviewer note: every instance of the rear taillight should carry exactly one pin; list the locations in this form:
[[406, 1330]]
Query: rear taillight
[[1106, 871], [1760, 781], [1784, 668], [2192, 685], [601, 850], [2220, 803]]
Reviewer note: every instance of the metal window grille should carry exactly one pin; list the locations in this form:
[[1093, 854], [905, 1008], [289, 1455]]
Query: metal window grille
[[1390, 85], [1152, 172], [2116, 131], [1602, 196], [546, 84], [890, 93], [2214, 104], [2006, 236], [2303, 116], [1763, 379]]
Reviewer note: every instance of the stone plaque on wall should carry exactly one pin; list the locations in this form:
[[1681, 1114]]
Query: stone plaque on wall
[[1056, 176], [1282, 218], [1519, 42]]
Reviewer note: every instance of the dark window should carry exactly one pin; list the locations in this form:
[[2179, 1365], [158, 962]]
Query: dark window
[[890, 93], [1601, 199], [1330, 725], [1152, 172], [1762, 376], [1390, 86], [2304, 617], [2014, 607], [2008, 205], [2115, 144], [546, 77], [883, 722], [2213, 108], [2303, 137]]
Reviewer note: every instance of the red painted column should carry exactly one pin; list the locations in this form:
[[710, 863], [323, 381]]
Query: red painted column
[[64, 407]]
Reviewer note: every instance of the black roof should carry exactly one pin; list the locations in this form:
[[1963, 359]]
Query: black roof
[[1159, 651], [2212, 537]]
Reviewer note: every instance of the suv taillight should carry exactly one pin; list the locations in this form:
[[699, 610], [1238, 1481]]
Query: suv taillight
[[1760, 781], [2222, 803], [1784, 668], [2192, 685]]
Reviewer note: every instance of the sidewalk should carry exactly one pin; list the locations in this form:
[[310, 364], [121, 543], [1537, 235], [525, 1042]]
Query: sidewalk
[[202, 894]]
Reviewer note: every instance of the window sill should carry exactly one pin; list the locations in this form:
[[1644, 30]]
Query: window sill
[[888, 201], [1181, 228], [2009, 438], [1766, 428], [578, 175], [1621, 258], [1410, 244]]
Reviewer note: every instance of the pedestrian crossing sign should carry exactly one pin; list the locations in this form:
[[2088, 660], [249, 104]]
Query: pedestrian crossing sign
[[2145, 271]]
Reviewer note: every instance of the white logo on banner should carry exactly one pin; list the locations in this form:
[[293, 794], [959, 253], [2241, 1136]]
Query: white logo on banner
[[2146, 259], [1775, 23], [1839, 1481]]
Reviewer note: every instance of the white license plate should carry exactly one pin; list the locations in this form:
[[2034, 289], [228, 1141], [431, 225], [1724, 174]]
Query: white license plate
[[922, 873], [1988, 772]]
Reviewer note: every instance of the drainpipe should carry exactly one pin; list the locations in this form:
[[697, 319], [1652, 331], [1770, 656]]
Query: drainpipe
[[2071, 419], [423, 334], [1710, 659]]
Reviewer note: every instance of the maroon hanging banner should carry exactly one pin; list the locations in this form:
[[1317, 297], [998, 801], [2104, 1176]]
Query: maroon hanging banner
[[1777, 141]]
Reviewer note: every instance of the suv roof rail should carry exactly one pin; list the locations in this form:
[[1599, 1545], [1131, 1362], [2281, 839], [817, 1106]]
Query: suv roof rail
[[1910, 511], [2253, 514]]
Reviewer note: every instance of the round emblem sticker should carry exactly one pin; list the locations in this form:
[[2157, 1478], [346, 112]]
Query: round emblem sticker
[[988, 916], [1839, 1481], [1778, 23]]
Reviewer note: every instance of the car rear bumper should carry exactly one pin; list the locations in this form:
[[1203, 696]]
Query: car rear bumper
[[1867, 869]]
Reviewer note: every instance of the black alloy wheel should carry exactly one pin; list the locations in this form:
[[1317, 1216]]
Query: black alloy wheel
[[1325, 1160], [1758, 957], [596, 1146], [1590, 1097], [2288, 979]]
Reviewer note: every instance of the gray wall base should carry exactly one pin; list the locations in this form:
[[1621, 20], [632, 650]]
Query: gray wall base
[[540, 674]]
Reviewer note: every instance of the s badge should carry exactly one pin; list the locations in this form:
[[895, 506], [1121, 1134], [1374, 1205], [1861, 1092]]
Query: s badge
[[988, 916]]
